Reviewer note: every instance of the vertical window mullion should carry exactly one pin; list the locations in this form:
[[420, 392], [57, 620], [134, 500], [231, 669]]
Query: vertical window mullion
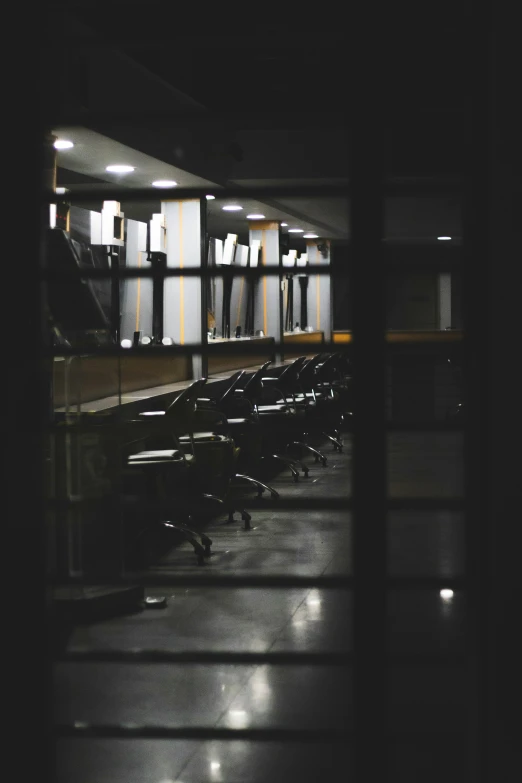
[[369, 435], [477, 221]]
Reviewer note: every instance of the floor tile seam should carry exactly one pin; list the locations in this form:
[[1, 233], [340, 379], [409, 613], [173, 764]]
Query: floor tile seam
[[243, 684], [287, 623]]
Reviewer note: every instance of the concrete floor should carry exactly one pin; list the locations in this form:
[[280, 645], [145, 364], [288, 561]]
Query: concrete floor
[[427, 714]]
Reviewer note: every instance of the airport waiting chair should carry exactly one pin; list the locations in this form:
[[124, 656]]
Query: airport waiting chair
[[287, 388], [252, 395], [243, 428], [323, 415], [333, 377], [171, 467]]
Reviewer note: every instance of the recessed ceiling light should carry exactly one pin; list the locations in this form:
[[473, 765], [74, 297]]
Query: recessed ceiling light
[[232, 208], [310, 236], [164, 183], [284, 224], [119, 169], [61, 191], [446, 594], [210, 198], [443, 238], [255, 217], [295, 230], [63, 144]]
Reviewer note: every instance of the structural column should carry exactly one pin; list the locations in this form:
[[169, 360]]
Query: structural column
[[182, 301], [268, 302], [319, 289]]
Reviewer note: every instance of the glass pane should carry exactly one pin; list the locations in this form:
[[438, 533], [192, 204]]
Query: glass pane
[[425, 464]]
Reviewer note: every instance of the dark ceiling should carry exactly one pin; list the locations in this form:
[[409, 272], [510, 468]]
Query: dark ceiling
[[230, 56], [274, 68]]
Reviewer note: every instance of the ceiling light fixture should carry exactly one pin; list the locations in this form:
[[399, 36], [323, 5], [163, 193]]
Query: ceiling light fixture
[[164, 183], [210, 198], [119, 169], [61, 191], [284, 224], [446, 594], [310, 236], [443, 238], [232, 208], [63, 144], [295, 230], [255, 217]]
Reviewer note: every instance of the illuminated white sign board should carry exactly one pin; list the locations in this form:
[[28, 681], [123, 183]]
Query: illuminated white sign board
[[158, 234], [241, 257], [107, 228], [229, 250], [255, 246]]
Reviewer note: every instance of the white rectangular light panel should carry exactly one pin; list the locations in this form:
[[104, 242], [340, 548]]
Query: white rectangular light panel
[[112, 224], [142, 237], [229, 250], [242, 255], [158, 233], [254, 252], [96, 228]]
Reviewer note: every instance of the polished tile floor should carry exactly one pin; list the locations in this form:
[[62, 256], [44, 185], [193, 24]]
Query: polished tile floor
[[427, 705]]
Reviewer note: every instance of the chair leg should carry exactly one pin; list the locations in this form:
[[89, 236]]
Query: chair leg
[[245, 516], [337, 444], [290, 463], [231, 506], [205, 540], [261, 487], [318, 456], [198, 549]]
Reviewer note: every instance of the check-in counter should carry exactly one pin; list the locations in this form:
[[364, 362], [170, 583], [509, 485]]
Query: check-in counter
[[293, 339], [84, 378], [344, 336]]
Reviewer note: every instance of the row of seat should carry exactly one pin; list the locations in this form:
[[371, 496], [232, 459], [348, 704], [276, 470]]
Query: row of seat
[[194, 453]]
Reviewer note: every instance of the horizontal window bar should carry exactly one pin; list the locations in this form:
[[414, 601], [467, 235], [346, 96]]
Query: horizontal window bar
[[277, 581], [197, 656], [131, 273], [429, 345], [211, 120], [113, 193], [283, 504], [128, 730], [342, 190], [69, 428], [248, 658], [253, 347], [439, 260]]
